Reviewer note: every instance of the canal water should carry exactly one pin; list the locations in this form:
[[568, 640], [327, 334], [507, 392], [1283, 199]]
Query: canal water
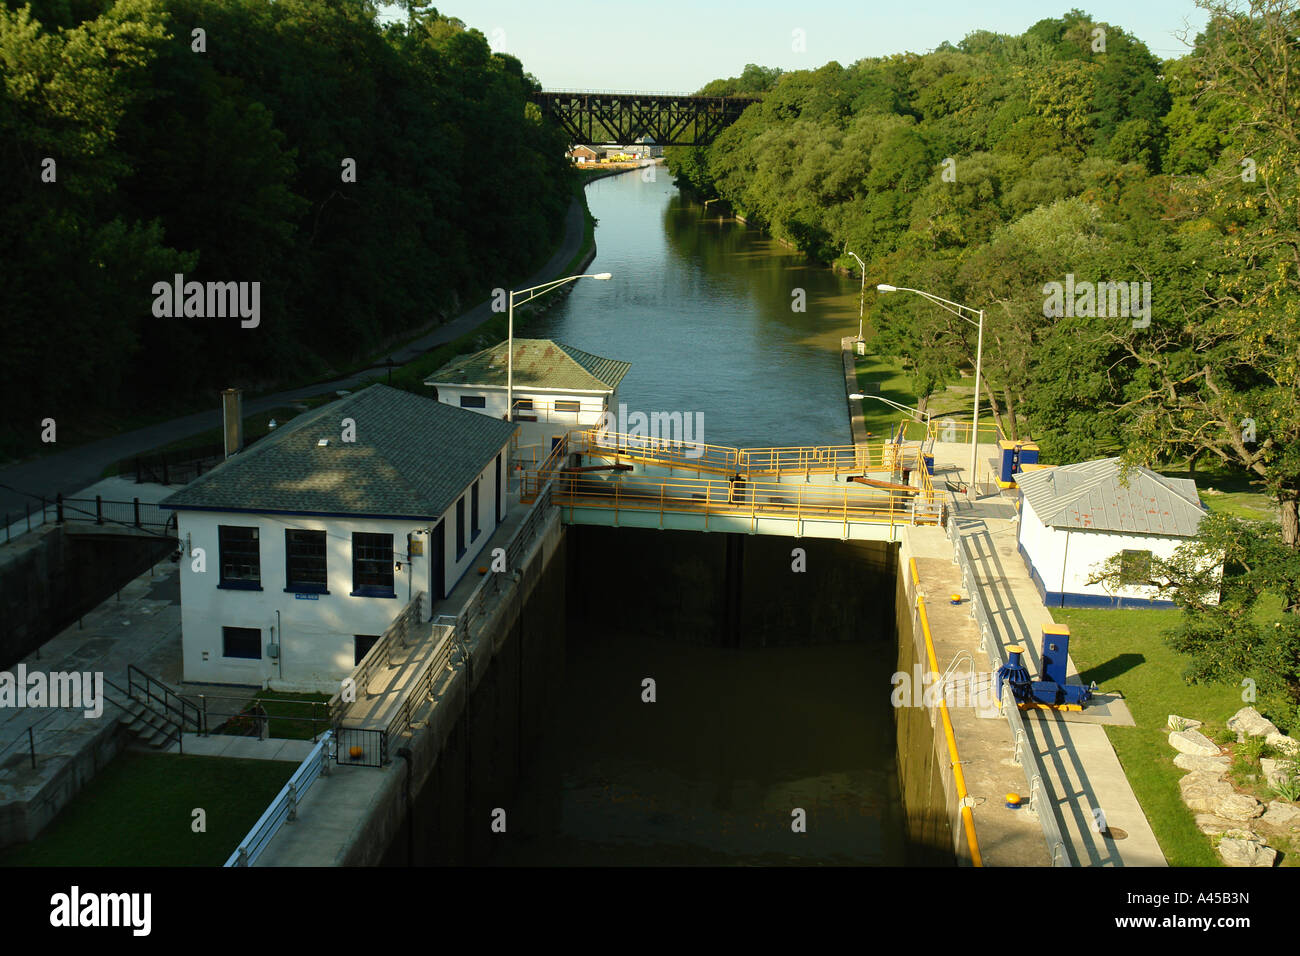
[[739, 741], [704, 309]]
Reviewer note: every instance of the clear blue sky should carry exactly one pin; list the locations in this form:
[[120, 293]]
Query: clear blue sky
[[679, 45]]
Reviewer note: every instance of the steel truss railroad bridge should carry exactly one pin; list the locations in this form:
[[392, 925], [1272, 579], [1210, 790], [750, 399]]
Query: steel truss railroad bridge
[[604, 118]]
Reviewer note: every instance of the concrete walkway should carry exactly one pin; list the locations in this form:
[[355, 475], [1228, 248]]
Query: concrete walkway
[[246, 748], [390, 686], [1083, 771], [141, 627]]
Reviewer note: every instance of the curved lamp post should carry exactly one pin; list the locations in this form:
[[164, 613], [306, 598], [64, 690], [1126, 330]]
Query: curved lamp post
[[532, 293], [979, 355], [862, 293]]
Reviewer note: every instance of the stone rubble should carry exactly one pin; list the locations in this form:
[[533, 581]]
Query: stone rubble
[[1193, 742], [1248, 722], [1244, 852], [1220, 810]]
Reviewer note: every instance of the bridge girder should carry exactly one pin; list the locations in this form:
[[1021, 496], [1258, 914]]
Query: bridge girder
[[618, 119]]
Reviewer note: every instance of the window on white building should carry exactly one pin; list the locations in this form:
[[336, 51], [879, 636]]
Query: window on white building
[[245, 642], [372, 564], [304, 557], [1134, 567], [241, 560]]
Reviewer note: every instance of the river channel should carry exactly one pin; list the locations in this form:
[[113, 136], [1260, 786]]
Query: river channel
[[739, 741]]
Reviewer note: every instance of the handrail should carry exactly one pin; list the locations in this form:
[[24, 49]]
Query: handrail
[[382, 649], [176, 730], [29, 728], [285, 805], [175, 707], [751, 499], [457, 631], [1035, 774]]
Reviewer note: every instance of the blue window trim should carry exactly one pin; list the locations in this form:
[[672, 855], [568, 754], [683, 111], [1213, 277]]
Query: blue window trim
[[239, 586], [374, 592], [307, 589]]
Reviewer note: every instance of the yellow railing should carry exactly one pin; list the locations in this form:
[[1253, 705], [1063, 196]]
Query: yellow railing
[[717, 495], [714, 496], [958, 776], [959, 432], [750, 462], [698, 456]]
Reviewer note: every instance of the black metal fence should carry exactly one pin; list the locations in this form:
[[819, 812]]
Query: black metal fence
[[361, 747], [176, 468], [142, 515]]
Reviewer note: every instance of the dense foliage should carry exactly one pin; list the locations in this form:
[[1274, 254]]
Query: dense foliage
[[984, 171], [988, 171], [227, 164]]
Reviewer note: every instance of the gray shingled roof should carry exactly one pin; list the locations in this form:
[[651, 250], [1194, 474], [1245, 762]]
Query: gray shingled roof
[[413, 456], [1089, 495], [539, 363]]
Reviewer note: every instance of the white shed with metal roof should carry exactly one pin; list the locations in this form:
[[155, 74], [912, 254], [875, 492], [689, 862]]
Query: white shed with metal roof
[[1073, 518]]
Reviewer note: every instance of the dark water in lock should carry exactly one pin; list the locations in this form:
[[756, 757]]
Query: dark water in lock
[[737, 740]]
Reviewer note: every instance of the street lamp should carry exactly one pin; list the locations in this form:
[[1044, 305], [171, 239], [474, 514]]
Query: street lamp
[[862, 294], [979, 356], [858, 396], [533, 293]]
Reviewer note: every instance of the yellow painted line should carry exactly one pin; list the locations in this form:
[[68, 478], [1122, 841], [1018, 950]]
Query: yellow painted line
[[959, 778]]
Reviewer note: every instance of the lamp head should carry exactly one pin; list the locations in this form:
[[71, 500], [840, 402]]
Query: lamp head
[[603, 275], [886, 288]]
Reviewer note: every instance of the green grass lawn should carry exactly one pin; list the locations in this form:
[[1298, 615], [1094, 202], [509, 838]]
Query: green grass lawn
[[139, 812], [1125, 651], [1232, 493], [290, 716], [886, 377]]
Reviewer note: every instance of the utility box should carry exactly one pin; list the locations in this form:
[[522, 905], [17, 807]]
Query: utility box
[[1028, 454], [1056, 650], [1008, 460]]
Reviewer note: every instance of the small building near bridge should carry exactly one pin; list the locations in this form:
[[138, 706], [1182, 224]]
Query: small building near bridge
[[556, 388]]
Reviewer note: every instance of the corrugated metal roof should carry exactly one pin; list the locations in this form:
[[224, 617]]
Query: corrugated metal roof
[[539, 363], [1092, 495], [413, 456]]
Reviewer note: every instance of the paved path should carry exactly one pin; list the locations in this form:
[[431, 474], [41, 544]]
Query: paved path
[[1083, 772], [72, 470]]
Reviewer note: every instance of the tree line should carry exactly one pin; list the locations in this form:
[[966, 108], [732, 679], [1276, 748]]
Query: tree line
[[1131, 226], [369, 176]]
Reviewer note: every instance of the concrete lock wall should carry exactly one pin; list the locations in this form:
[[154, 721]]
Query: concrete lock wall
[[734, 590], [23, 820], [931, 807], [437, 803], [53, 575]]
